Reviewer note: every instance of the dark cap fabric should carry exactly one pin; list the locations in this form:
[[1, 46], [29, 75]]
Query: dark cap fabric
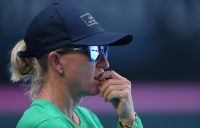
[[60, 24]]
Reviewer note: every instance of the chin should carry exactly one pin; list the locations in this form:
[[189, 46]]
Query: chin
[[94, 91], [94, 88]]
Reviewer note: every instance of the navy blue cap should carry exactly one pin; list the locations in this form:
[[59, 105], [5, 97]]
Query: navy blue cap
[[60, 24]]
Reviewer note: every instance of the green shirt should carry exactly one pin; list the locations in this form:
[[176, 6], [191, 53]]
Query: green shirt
[[43, 114]]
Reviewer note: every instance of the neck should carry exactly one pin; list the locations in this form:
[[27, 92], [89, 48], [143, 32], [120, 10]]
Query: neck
[[57, 93]]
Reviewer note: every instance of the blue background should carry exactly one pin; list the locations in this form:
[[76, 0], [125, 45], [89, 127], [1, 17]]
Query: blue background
[[166, 35], [165, 48]]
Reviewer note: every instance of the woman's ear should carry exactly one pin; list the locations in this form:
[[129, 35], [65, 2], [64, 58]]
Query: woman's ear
[[54, 59]]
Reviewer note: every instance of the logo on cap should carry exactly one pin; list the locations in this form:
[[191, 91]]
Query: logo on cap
[[88, 19]]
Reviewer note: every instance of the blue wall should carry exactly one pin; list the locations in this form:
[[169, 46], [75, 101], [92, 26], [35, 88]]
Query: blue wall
[[166, 35]]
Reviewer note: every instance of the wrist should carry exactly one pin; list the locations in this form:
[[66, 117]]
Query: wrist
[[127, 122]]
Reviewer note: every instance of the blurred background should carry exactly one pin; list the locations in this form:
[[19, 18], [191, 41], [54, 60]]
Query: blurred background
[[162, 62]]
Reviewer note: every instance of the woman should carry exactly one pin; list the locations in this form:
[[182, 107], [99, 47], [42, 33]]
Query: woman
[[64, 55]]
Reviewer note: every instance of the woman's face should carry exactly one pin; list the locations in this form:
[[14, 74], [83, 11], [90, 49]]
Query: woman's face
[[81, 75]]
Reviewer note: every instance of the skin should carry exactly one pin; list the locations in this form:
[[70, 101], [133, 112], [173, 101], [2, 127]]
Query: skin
[[83, 78]]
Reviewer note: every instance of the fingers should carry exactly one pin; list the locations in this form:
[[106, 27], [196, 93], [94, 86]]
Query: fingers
[[116, 92], [110, 75], [113, 84], [117, 87], [117, 95]]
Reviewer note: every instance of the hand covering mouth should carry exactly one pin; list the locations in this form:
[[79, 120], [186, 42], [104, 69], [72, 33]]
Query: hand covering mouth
[[98, 77]]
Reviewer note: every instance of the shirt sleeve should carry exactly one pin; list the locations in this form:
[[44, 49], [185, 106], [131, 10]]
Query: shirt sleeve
[[138, 123]]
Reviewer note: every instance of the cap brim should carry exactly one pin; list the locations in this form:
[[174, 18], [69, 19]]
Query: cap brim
[[105, 38]]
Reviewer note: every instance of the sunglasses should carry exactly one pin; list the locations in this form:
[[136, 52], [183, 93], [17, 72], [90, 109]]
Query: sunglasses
[[92, 51]]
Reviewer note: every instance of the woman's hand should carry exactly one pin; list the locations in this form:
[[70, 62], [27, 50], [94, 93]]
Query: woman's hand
[[117, 90]]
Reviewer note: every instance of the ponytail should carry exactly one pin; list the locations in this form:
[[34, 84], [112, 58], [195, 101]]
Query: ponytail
[[30, 68], [21, 69]]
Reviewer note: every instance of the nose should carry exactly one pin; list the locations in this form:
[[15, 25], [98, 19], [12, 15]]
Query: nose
[[102, 62]]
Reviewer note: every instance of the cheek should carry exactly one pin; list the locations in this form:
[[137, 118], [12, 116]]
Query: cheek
[[83, 72], [86, 71], [78, 69]]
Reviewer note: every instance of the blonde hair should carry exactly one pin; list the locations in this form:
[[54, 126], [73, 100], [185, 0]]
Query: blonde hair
[[25, 69]]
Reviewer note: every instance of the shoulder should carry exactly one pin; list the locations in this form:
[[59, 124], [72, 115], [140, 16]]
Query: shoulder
[[86, 114], [41, 113], [84, 111]]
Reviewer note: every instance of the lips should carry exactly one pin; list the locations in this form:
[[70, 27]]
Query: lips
[[100, 80], [98, 77]]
